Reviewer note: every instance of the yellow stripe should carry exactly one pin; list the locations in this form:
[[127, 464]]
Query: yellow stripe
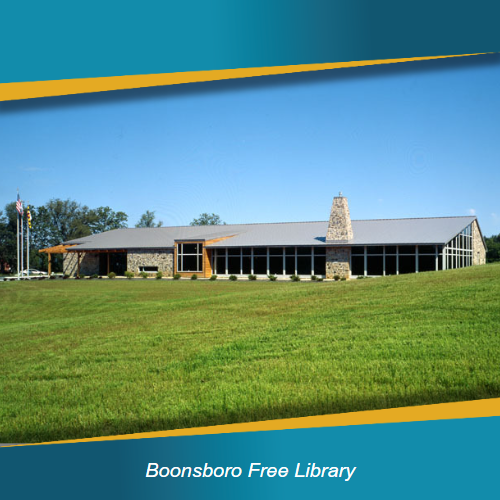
[[444, 411], [29, 90]]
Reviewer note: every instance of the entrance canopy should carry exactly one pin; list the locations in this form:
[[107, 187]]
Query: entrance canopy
[[56, 249]]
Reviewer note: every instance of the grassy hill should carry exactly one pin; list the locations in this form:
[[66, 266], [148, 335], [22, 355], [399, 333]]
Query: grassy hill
[[101, 357]]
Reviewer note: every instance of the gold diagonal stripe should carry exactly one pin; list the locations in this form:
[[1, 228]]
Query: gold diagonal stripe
[[443, 411], [29, 90]]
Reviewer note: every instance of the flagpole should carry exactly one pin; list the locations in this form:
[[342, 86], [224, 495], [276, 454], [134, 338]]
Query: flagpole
[[17, 240], [22, 241], [28, 238]]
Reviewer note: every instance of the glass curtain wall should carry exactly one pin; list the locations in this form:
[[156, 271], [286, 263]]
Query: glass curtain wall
[[262, 261], [385, 260]]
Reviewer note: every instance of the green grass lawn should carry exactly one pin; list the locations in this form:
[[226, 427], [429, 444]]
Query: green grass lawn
[[101, 357]]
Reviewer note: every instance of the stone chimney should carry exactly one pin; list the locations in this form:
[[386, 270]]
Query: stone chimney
[[339, 226]]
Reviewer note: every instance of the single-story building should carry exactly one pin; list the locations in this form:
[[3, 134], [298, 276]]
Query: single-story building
[[338, 246]]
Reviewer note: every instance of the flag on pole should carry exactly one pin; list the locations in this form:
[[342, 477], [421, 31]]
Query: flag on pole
[[28, 216], [19, 205]]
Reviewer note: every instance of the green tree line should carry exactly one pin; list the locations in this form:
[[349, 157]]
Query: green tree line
[[493, 244], [59, 221], [51, 224]]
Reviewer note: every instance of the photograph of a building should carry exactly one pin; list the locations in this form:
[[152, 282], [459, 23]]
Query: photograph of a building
[[337, 247], [262, 318]]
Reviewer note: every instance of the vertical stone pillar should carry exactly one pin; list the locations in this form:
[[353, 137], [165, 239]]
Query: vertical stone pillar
[[339, 231], [478, 249], [339, 226]]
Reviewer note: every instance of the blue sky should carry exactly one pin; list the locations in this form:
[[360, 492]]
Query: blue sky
[[416, 139]]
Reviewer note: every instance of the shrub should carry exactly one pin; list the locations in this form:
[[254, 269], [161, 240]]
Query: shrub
[[272, 277], [52, 277], [294, 277], [95, 276], [314, 277], [233, 277], [111, 275], [343, 278], [319, 279], [336, 277], [143, 275], [213, 277], [360, 278], [129, 274], [89, 277], [159, 275], [177, 276], [194, 277], [252, 277]]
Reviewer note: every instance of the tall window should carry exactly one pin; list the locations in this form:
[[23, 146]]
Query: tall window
[[279, 261], [189, 257]]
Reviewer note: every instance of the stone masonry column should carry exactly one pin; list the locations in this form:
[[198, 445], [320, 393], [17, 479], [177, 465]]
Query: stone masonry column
[[339, 232]]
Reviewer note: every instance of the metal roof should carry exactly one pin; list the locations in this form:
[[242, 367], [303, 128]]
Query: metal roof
[[437, 230], [154, 237], [408, 231]]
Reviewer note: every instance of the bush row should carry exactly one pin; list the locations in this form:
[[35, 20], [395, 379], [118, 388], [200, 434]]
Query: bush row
[[232, 277]]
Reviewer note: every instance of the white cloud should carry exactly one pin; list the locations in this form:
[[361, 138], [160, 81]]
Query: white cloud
[[472, 211]]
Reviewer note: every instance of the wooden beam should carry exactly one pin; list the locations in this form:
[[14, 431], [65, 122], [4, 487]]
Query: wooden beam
[[207, 264], [210, 242], [50, 263], [56, 249]]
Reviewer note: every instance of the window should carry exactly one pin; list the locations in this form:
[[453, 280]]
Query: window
[[268, 260], [407, 249], [426, 263], [189, 257], [148, 269], [220, 261], [375, 251], [358, 265], [375, 265]]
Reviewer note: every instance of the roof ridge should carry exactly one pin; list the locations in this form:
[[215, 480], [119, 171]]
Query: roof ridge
[[419, 218], [221, 226], [237, 224]]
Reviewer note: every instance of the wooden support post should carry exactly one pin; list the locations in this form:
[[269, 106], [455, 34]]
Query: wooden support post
[[50, 263], [78, 260]]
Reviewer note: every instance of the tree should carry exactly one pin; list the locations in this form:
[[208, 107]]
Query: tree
[[8, 231], [493, 244], [208, 220], [54, 223], [104, 219], [148, 220]]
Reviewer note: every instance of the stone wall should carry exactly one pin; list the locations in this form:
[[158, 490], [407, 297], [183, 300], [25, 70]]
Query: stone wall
[[478, 248], [338, 262], [89, 263], [163, 259], [339, 225]]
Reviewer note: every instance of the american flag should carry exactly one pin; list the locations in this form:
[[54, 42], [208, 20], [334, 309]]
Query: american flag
[[19, 205]]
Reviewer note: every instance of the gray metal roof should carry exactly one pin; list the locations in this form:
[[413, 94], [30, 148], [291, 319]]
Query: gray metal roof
[[437, 230], [154, 237], [408, 231]]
